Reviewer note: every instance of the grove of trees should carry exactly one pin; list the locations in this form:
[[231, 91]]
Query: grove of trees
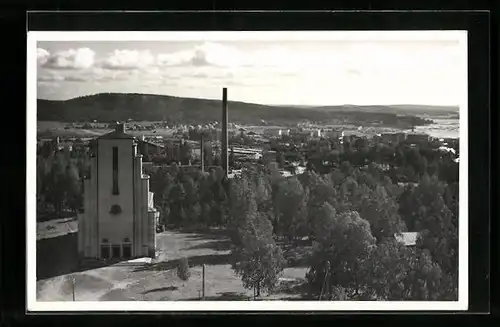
[[59, 181], [349, 218], [345, 216]]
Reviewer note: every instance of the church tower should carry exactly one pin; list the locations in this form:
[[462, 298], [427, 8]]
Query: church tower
[[119, 219]]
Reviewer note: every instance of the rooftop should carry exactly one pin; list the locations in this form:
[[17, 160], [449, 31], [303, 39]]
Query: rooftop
[[118, 133], [407, 238]]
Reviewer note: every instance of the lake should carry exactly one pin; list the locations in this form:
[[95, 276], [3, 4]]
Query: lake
[[442, 128]]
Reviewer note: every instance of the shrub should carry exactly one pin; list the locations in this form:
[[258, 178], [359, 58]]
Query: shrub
[[298, 256], [183, 269]]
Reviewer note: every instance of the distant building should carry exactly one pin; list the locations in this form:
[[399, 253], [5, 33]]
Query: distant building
[[416, 138], [393, 137], [446, 149], [332, 134], [149, 148], [119, 219], [269, 156]]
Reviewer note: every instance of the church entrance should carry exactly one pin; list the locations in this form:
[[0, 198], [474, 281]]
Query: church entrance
[[105, 251], [127, 251], [115, 251]]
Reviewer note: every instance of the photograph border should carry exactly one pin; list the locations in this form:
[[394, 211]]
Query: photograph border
[[179, 306]]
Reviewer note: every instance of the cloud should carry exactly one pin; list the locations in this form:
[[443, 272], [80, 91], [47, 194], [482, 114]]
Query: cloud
[[60, 78], [354, 72], [128, 60], [77, 78], [200, 75], [211, 74], [81, 58], [203, 55], [42, 56], [50, 77]]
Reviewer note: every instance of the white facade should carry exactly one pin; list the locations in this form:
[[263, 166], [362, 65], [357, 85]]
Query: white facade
[[119, 220]]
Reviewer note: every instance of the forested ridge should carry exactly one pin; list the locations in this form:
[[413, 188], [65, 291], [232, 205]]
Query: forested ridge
[[109, 107]]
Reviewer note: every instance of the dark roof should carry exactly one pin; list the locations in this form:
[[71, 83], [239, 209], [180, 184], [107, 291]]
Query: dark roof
[[151, 143], [116, 135]]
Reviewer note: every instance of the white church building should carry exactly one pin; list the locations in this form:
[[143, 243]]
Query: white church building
[[119, 219]]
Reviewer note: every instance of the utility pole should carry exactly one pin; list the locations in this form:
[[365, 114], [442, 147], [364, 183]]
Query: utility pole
[[203, 280], [325, 280], [73, 283]]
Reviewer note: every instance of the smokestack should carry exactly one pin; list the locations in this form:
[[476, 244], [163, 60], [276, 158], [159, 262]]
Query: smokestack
[[202, 154], [224, 155]]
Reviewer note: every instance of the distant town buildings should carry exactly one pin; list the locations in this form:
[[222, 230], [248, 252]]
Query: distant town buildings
[[393, 137], [417, 138]]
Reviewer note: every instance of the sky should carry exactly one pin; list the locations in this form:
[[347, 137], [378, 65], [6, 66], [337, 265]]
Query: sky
[[275, 72]]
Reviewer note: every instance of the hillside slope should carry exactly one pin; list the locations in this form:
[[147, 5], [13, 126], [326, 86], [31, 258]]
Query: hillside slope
[[116, 106]]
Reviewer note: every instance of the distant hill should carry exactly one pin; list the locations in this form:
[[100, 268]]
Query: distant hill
[[398, 109], [107, 107]]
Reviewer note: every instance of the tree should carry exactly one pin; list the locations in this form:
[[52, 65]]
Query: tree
[[345, 242], [240, 199], [177, 196], [257, 259], [320, 191], [424, 278], [381, 211], [263, 192], [292, 209], [425, 209], [42, 182], [73, 188], [56, 193], [205, 215], [186, 153], [193, 214], [280, 159], [389, 266], [191, 189]]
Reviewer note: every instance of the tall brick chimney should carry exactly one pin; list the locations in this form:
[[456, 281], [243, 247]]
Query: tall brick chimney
[[224, 154]]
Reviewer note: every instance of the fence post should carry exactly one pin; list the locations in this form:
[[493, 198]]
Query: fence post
[[203, 281]]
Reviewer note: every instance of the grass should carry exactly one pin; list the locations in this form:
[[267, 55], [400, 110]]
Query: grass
[[157, 280]]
